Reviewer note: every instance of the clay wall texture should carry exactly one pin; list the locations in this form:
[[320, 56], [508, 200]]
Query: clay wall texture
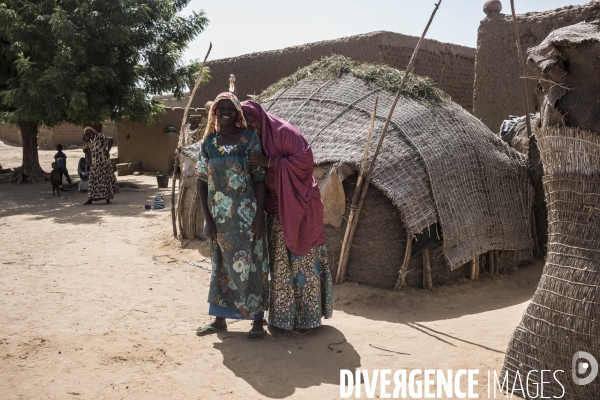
[[65, 134], [452, 64], [149, 144], [10, 133], [498, 93]]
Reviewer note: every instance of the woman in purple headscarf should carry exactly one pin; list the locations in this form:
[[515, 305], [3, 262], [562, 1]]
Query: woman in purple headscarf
[[301, 286]]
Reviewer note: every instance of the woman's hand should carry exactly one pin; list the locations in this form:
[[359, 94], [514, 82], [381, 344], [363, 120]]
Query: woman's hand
[[258, 226], [259, 160], [210, 230]]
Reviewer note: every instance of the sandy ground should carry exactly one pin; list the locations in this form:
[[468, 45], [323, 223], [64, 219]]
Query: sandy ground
[[97, 303]]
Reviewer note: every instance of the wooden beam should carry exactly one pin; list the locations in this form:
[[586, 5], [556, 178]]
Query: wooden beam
[[427, 284]]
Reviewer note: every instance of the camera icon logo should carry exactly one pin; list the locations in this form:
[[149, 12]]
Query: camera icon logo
[[584, 363]]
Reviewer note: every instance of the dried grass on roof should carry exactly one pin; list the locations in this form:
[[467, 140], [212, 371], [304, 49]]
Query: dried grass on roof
[[376, 76]]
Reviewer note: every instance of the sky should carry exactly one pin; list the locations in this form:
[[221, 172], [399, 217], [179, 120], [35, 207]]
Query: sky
[[239, 27]]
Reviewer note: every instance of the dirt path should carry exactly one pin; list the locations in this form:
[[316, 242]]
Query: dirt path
[[97, 303]]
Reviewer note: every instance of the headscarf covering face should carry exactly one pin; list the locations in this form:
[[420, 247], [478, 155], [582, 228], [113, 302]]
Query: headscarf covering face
[[213, 125], [297, 199]]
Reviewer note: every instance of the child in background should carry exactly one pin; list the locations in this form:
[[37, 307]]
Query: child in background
[[55, 179], [61, 160], [84, 174]]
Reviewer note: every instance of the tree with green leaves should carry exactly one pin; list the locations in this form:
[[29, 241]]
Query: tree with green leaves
[[86, 61]]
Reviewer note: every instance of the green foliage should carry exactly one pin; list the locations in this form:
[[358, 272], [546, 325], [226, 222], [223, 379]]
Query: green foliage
[[193, 72], [86, 61], [375, 76]]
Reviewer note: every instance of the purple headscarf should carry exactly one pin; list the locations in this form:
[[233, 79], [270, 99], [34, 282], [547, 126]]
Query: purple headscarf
[[292, 190]]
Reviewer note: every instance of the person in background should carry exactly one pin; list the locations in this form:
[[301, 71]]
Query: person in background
[[55, 179], [60, 159], [301, 285], [102, 184], [84, 175]]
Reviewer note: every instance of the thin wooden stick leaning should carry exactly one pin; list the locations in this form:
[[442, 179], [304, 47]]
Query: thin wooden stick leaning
[[522, 65], [180, 143], [409, 68], [342, 273], [354, 209]]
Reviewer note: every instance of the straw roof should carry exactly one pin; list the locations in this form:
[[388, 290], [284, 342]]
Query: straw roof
[[438, 164]]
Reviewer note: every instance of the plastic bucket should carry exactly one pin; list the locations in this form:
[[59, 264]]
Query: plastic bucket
[[162, 180]]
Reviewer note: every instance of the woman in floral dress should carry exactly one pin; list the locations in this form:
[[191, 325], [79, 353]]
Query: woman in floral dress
[[102, 183], [232, 193]]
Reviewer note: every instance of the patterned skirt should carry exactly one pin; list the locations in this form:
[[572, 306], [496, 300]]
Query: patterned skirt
[[301, 286], [103, 182]]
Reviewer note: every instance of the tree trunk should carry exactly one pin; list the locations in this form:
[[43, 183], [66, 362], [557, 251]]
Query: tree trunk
[[30, 169]]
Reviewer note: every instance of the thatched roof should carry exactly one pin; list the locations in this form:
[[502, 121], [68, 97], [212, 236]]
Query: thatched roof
[[438, 164]]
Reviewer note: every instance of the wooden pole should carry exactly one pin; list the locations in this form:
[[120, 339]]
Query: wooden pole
[[180, 143], [496, 262], [404, 268], [427, 283], [522, 64], [491, 263], [354, 210], [473, 269]]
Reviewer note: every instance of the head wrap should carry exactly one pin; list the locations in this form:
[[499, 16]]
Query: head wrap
[[292, 190], [212, 125], [89, 128]]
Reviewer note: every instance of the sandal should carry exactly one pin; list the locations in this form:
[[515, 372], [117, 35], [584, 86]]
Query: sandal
[[257, 335], [289, 335], [205, 330], [264, 322]]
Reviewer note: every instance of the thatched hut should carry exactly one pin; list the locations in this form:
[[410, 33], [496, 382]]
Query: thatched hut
[[443, 179], [440, 168], [563, 318]]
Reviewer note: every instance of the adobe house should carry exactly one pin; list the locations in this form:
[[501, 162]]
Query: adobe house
[[498, 93], [450, 66], [152, 145]]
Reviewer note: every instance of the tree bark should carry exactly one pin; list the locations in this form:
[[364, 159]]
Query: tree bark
[[30, 168]]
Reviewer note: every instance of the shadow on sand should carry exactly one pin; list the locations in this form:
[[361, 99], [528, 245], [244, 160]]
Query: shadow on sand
[[36, 200], [276, 368], [461, 298]]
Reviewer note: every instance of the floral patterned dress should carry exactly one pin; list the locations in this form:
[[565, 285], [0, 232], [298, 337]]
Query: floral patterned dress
[[239, 284], [103, 182]]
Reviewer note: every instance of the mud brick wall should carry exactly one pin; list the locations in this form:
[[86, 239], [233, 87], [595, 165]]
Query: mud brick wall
[[65, 134], [150, 145], [498, 92], [452, 71], [256, 71], [10, 133]]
